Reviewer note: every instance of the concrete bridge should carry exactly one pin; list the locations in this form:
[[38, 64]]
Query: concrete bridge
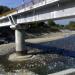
[[43, 10]]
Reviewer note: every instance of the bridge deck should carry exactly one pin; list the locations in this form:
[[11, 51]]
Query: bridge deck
[[47, 9]]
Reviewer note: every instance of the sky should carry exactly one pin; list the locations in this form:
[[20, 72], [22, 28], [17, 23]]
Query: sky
[[64, 21], [12, 3], [15, 3]]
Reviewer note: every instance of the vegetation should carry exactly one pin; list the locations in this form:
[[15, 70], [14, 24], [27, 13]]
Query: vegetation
[[50, 26], [51, 23], [38, 27], [71, 25], [4, 9], [53, 26]]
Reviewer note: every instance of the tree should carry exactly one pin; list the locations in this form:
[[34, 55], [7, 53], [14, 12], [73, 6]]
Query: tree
[[37, 25], [4, 9], [51, 23], [71, 25], [53, 26]]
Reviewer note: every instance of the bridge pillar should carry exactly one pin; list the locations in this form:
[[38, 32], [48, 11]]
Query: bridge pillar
[[20, 38], [21, 51], [20, 41]]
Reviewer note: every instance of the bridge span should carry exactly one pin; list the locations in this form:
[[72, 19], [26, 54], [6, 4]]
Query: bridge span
[[40, 11]]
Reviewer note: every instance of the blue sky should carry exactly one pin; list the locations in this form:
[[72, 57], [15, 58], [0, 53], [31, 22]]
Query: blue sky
[[64, 21], [15, 3], [12, 3]]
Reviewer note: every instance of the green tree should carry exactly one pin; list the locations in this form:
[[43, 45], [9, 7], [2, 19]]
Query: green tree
[[71, 25], [51, 23], [37, 24], [4, 9], [54, 27]]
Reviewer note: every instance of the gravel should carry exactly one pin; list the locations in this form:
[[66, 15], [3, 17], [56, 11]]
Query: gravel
[[7, 48]]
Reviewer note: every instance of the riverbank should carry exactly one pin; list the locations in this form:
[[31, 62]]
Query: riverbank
[[47, 37], [6, 49]]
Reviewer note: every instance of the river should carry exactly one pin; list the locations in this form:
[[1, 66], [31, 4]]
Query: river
[[45, 64]]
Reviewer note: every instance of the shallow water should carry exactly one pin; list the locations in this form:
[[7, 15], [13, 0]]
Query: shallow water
[[66, 43]]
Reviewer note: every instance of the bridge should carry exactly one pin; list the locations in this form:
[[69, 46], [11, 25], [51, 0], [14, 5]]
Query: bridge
[[20, 18]]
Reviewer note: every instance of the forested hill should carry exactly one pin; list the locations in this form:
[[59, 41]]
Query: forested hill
[[4, 9]]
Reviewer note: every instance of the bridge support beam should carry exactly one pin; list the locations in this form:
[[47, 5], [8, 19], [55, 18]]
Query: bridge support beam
[[21, 51], [20, 39]]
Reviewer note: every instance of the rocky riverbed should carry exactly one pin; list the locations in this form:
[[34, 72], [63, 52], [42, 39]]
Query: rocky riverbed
[[42, 64]]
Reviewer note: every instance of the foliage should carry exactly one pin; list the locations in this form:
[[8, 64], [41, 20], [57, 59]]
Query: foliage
[[4, 9], [53, 26], [37, 27], [51, 23], [70, 26], [60, 26], [50, 26], [37, 24]]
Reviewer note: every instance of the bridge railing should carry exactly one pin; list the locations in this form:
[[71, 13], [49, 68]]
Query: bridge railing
[[29, 4]]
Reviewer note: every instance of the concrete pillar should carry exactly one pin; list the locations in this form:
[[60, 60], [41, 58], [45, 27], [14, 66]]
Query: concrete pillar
[[20, 41], [20, 38]]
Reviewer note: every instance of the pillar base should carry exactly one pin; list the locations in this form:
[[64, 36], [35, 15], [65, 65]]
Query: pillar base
[[21, 52], [18, 58]]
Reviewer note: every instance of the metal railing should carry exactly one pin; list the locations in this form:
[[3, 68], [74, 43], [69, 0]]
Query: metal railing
[[29, 4], [24, 5]]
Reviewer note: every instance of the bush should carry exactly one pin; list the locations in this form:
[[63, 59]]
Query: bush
[[71, 26]]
